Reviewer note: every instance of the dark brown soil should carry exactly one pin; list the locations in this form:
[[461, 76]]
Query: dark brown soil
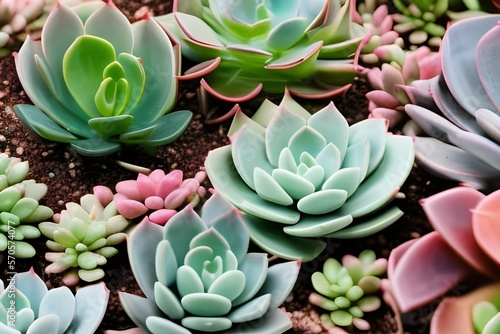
[[70, 176]]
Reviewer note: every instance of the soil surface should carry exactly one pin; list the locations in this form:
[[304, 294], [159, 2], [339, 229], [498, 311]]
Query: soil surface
[[69, 176]]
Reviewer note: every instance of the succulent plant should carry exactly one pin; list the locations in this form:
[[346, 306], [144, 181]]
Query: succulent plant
[[19, 207], [106, 83], [464, 245], [303, 176], [16, 14], [28, 307], [391, 82], [82, 239], [158, 194], [347, 289], [486, 316], [458, 125], [244, 47], [197, 275]]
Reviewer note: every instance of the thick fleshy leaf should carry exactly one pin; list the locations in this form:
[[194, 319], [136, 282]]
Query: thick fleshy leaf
[[454, 314], [48, 324], [230, 284], [450, 214], [95, 147], [206, 304], [459, 52], [307, 140], [375, 136], [167, 301], [489, 122], [219, 167], [168, 127], [233, 230], [159, 324], [165, 263], [188, 281], [487, 48], [280, 281], [32, 287], [294, 186], [139, 309], [419, 279], [211, 324], [61, 302], [275, 321], [323, 201], [141, 245], [111, 125], [345, 179], [91, 305], [286, 34], [485, 226], [254, 266], [252, 310]]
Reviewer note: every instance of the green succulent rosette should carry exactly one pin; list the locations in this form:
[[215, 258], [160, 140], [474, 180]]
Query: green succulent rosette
[[101, 83], [245, 47], [198, 276], [302, 176]]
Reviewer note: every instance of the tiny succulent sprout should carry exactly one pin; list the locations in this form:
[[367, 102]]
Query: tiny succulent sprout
[[197, 275], [106, 83], [83, 238], [30, 308], [157, 195], [456, 122], [347, 290], [19, 207], [391, 82], [245, 47], [301, 176], [464, 246]]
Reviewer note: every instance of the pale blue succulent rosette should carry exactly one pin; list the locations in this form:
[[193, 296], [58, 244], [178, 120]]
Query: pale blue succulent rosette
[[28, 307], [245, 47], [300, 176], [456, 120], [102, 83], [197, 276]]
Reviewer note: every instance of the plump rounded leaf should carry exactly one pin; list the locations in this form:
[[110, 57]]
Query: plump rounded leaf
[[206, 305], [61, 302], [168, 302]]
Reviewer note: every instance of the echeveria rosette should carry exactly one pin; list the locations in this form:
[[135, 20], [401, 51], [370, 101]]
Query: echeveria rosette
[[300, 175], [83, 238], [157, 194], [28, 307], [348, 290], [264, 45], [459, 112], [19, 207], [197, 275], [464, 245], [104, 83]]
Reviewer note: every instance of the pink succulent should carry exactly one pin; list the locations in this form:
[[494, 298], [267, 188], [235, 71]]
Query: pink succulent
[[391, 81], [465, 244], [158, 193]]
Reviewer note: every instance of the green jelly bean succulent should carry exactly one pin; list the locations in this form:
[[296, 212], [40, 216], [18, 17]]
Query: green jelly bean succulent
[[19, 208], [28, 307], [347, 289], [486, 316], [300, 175], [82, 239], [103, 83], [264, 45], [198, 276]]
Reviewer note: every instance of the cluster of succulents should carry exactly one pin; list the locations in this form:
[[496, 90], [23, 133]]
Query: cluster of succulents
[[15, 15], [348, 290], [103, 84], [245, 47], [30, 308], [303, 176], [197, 274], [465, 242], [83, 238], [456, 123], [19, 207], [159, 194]]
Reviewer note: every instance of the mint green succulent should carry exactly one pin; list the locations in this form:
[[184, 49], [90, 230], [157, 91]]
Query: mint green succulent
[[347, 289], [28, 307], [486, 316], [103, 83], [19, 207], [83, 239], [304, 176], [245, 47], [198, 276]]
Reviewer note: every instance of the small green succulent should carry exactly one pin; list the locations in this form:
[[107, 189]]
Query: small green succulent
[[245, 47], [347, 289], [82, 239], [28, 307], [19, 208], [106, 83], [486, 316]]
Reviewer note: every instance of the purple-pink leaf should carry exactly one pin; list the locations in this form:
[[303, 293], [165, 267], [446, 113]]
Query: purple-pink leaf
[[176, 198], [130, 208], [162, 216], [145, 186], [170, 182], [154, 202], [487, 52], [129, 189], [103, 194], [382, 99], [450, 214], [486, 225], [157, 175], [428, 269]]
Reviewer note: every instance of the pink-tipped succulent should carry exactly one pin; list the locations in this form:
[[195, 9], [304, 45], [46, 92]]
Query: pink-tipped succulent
[[158, 194], [465, 244], [390, 82]]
